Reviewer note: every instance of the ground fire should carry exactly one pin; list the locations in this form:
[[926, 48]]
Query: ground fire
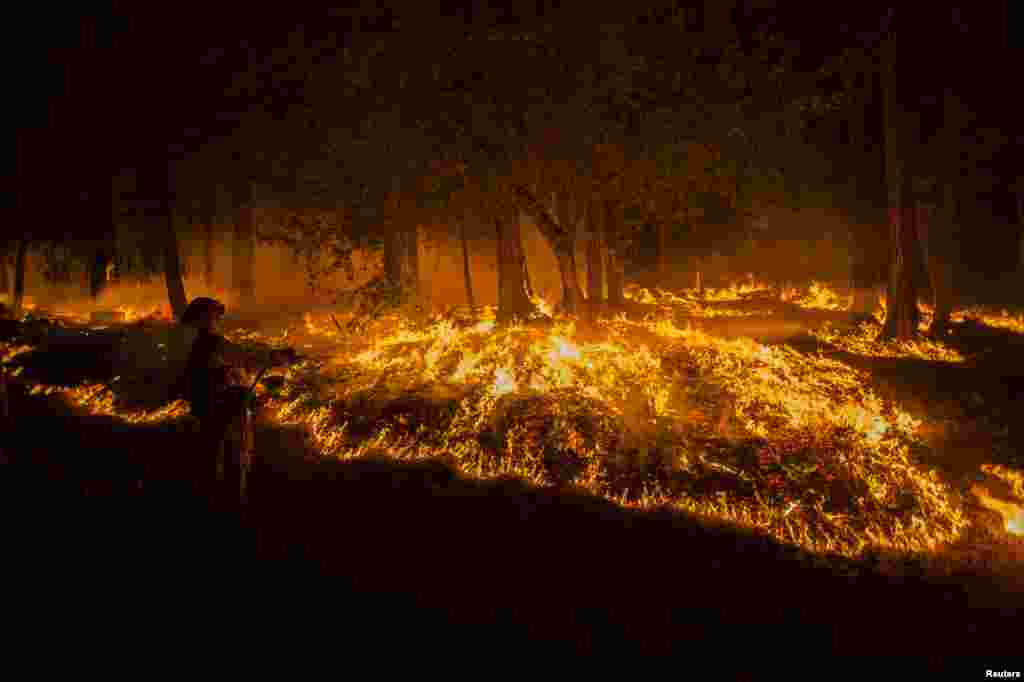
[[787, 438]]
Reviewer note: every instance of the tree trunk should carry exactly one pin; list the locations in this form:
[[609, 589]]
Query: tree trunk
[[394, 248], [152, 259], [1020, 224], [98, 272], [616, 278], [862, 285], [901, 303], [5, 278], [595, 257], [20, 257], [179, 336], [902, 314], [243, 261], [513, 301], [662, 258], [615, 271], [411, 264], [572, 293], [526, 273], [467, 275], [393, 256], [560, 240], [939, 271], [412, 257], [401, 252], [565, 252], [208, 253], [172, 268], [937, 235]]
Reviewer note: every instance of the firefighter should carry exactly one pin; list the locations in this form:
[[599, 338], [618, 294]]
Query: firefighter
[[212, 383]]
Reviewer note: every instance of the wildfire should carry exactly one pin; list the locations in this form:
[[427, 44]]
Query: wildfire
[[673, 388], [641, 411], [863, 340], [133, 303], [1013, 514], [821, 297], [543, 306], [1013, 481], [1002, 319], [503, 381]]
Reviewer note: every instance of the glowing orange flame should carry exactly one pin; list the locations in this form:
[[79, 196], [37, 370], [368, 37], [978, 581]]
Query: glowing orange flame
[[1013, 514], [503, 381], [680, 382]]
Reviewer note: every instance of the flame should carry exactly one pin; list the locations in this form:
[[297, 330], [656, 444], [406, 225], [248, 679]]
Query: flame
[[137, 302], [820, 296], [635, 395], [503, 381], [1013, 514], [543, 306]]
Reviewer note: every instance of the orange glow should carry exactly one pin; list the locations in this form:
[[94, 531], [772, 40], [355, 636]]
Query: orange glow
[[1013, 514], [648, 413]]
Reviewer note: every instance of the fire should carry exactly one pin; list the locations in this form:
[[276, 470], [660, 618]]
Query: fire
[[862, 340], [820, 296], [1002, 319], [564, 350], [773, 393], [643, 412], [136, 302], [503, 381], [543, 306], [1013, 514], [1013, 481]]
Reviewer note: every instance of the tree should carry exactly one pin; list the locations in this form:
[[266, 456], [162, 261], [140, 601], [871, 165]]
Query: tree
[[5, 278], [20, 256], [401, 245], [560, 235], [466, 271], [595, 253], [209, 243], [465, 201], [243, 252], [902, 314], [513, 299], [1018, 191], [936, 225]]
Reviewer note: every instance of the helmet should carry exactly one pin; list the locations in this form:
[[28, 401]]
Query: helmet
[[199, 307]]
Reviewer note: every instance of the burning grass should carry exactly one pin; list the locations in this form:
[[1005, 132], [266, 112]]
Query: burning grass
[[646, 414], [863, 340], [640, 412]]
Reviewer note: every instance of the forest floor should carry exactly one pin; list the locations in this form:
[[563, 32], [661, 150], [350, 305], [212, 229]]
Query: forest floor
[[418, 550]]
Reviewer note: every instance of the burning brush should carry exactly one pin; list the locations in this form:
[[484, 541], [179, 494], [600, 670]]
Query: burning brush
[[1011, 484], [645, 412]]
